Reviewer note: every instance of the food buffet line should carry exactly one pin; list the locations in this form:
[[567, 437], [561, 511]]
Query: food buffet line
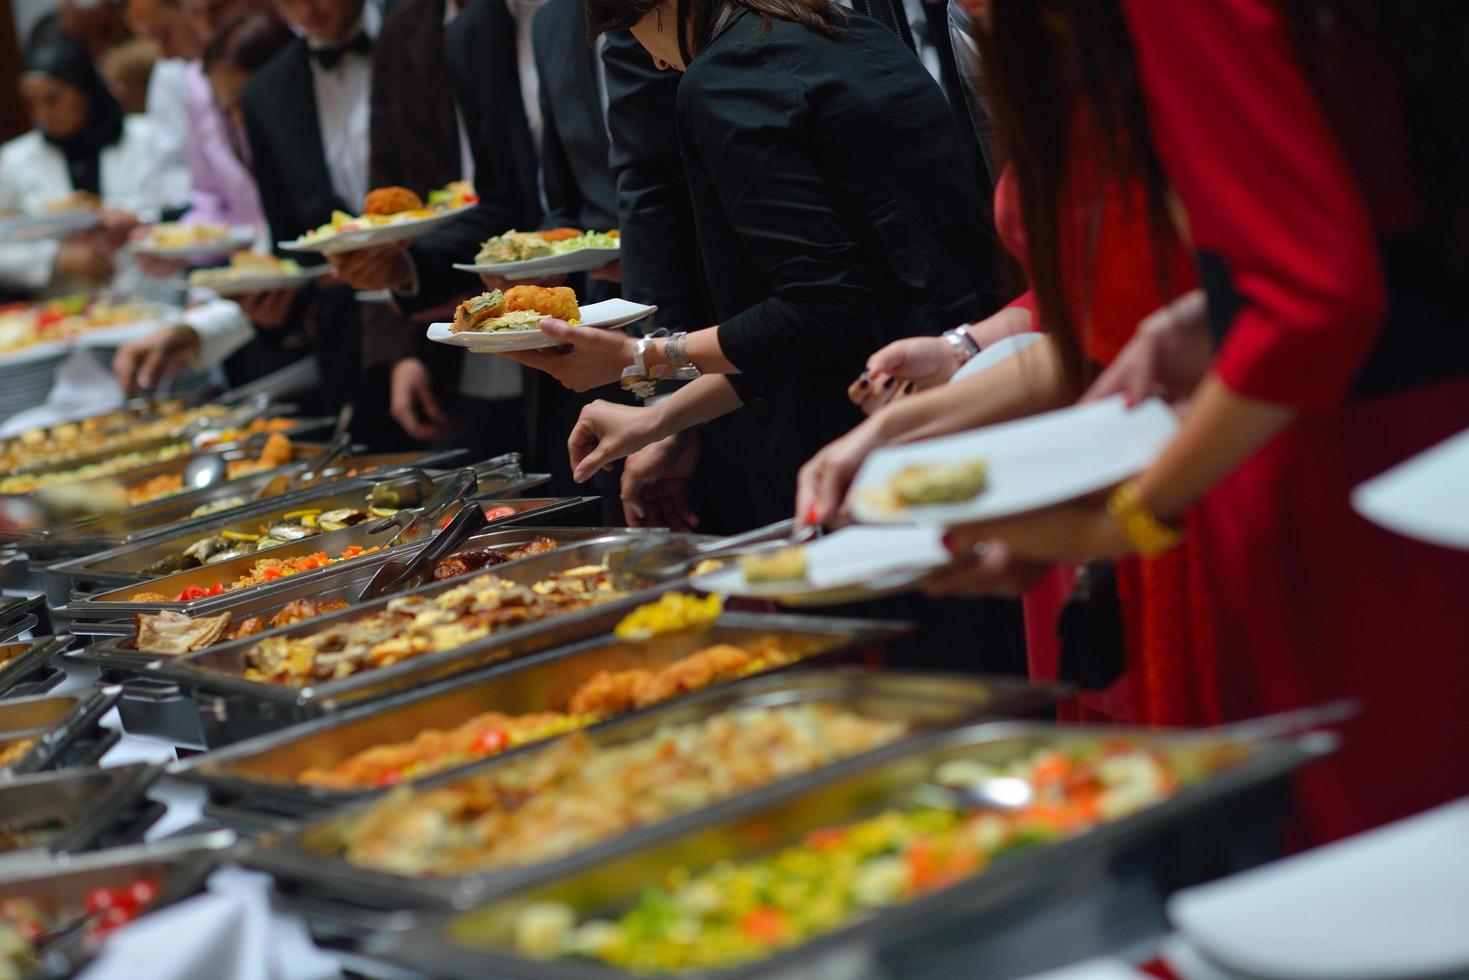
[[467, 733]]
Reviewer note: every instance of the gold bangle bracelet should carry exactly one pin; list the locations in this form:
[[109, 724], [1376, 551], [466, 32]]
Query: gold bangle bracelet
[[1144, 533]]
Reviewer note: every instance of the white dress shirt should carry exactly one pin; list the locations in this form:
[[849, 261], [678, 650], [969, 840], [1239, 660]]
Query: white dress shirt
[[168, 111], [344, 108]]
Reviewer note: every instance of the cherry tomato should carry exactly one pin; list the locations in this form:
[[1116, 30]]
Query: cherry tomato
[[390, 778], [99, 900], [495, 513], [143, 892], [493, 741]]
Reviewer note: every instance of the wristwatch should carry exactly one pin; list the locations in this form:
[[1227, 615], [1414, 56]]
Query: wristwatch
[[1145, 534], [963, 343], [636, 377], [675, 352]]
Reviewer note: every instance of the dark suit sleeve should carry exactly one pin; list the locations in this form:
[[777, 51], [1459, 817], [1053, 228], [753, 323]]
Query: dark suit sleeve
[[660, 253], [280, 216], [746, 123], [558, 180]]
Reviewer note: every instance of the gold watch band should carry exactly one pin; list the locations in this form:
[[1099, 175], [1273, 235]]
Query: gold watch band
[[1145, 534]]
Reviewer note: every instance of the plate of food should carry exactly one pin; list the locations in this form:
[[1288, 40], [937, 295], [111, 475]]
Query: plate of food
[[560, 251], [57, 219], [390, 214], [1012, 468], [36, 331], [853, 564], [499, 322], [254, 272], [206, 240]]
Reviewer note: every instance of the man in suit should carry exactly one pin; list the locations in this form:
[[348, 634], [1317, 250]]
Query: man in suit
[[307, 116]]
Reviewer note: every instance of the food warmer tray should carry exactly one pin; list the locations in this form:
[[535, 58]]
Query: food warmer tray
[[169, 514], [232, 708], [158, 707], [25, 665], [118, 603], [125, 564], [259, 774], [939, 934], [305, 860], [63, 726], [179, 865], [16, 608], [75, 810]]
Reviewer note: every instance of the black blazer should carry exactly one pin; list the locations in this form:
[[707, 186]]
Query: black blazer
[[480, 51], [578, 183], [834, 210]]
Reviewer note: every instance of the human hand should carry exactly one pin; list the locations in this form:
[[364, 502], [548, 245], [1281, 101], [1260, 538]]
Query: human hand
[[1168, 356], [116, 228], [144, 363], [596, 357], [1075, 531], [903, 367], [822, 484], [270, 309], [412, 403], [84, 258], [381, 267], [611, 272], [992, 570], [606, 433], [655, 482]]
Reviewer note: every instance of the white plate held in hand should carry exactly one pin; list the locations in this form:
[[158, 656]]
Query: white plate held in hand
[[580, 260], [1424, 498], [360, 238], [606, 315], [1032, 462]]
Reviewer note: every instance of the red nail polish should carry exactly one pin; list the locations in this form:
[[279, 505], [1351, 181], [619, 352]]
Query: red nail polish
[[948, 540], [814, 515]]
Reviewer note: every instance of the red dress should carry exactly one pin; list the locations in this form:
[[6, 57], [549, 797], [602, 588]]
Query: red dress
[[1292, 164], [1168, 637]]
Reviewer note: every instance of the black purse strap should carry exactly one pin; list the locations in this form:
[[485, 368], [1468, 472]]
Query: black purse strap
[[890, 14]]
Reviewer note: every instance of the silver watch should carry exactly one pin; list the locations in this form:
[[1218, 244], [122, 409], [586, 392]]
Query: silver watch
[[963, 343]]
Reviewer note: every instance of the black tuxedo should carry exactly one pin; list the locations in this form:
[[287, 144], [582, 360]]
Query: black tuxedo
[[579, 186]]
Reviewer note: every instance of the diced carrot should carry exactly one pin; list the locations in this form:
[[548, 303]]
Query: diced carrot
[[764, 925]]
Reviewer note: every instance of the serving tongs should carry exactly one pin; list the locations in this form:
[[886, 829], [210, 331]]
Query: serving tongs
[[667, 558], [412, 526], [397, 576]]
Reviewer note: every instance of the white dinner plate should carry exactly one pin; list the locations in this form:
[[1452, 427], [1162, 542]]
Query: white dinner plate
[[1000, 350], [49, 350], [261, 282], [38, 227], [1032, 462], [126, 333], [1425, 497], [607, 314], [581, 260], [237, 239], [351, 241], [854, 564]]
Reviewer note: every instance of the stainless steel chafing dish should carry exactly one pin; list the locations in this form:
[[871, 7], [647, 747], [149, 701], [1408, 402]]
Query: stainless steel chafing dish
[[75, 810], [122, 603], [124, 564], [261, 774], [938, 932], [57, 730], [232, 708], [179, 866], [171, 513], [21, 661], [307, 859]]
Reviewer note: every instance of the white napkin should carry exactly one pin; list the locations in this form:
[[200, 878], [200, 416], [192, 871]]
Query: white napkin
[[83, 386], [229, 932]]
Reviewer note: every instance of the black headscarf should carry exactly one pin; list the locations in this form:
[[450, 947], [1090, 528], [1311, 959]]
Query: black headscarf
[[65, 59]]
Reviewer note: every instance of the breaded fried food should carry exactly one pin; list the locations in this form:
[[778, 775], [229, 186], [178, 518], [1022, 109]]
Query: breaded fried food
[[391, 200], [277, 451], [559, 234], [475, 312], [557, 301]]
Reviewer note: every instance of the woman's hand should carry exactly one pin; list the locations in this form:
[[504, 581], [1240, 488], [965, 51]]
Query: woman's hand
[[606, 433], [1168, 355], [611, 272], [596, 357], [1076, 531], [382, 267], [992, 570], [142, 364], [412, 402], [902, 367], [84, 258], [268, 310], [655, 482], [822, 485]]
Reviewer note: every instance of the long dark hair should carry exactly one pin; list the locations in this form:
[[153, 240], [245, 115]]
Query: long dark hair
[[65, 59], [248, 42], [699, 20]]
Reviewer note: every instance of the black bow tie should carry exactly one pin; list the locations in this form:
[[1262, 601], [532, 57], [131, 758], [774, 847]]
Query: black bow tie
[[329, 58]]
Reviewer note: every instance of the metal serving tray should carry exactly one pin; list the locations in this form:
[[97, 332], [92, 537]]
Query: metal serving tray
[[173, 513], [121, 604], [64, 727], [16, 608], [23, 664], [307, 859], [125, 564], [76, 810], [233, 708], [60, 885], [261, 774], [478, 943]]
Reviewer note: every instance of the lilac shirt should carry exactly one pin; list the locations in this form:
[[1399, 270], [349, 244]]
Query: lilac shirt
[[224, 189]]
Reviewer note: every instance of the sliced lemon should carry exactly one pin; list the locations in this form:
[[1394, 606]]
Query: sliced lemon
[[229, 535]]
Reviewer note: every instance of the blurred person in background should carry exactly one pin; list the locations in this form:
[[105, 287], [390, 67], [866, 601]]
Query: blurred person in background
[[98, 24], [127, 69], [164, 23]]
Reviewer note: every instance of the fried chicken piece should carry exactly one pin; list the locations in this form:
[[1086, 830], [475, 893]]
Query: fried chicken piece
[[693, 672], [277, 451], [391, 200], [248, 627], [299, 609], [609, 692], [557, 301], [559, 234]]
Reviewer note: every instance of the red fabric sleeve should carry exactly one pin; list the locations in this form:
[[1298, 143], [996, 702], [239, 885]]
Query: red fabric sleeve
[[1249, 152]]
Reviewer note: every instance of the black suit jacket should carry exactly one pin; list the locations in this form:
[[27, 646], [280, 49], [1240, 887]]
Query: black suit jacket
[[834, 210], [480, 54], [578, 183]]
